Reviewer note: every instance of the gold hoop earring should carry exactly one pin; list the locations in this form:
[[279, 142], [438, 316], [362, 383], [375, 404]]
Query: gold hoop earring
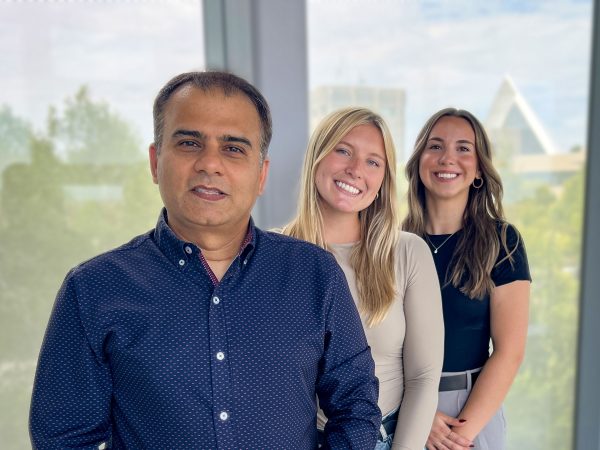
[[477, 186], [377, 196]]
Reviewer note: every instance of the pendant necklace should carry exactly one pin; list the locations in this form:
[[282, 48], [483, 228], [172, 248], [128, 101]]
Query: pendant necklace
[[435, 249]]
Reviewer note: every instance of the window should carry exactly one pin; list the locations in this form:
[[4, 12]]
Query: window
[[78, 81], [522, 68]]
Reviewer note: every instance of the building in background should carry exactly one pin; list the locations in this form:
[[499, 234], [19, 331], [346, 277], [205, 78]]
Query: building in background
[[388, 102], [522, 144]]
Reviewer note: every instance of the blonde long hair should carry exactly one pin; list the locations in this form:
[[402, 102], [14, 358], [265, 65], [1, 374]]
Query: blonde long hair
[[373, 258], [477, 249]]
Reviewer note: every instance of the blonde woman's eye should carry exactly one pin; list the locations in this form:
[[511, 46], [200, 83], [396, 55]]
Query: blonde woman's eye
[[374, 163], [342, 151]]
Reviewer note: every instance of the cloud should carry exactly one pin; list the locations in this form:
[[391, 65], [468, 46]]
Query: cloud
[[457, 52], [123, 51]]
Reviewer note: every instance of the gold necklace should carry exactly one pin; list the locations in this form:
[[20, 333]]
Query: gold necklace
[[435, 249]]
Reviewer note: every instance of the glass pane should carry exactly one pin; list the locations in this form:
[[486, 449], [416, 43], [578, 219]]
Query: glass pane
[[522, 67], [78, 81]]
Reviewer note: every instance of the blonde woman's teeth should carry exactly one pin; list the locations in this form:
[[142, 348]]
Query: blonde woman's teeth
[[346, 187]]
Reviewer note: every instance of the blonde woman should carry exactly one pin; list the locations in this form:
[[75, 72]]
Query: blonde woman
[[455, 204], [348, 206]]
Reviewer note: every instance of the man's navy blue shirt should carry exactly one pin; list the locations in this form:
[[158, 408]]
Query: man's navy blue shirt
[[144, 350]]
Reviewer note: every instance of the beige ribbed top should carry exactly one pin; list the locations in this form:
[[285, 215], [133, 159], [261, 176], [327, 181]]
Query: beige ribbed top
[[408, 344]]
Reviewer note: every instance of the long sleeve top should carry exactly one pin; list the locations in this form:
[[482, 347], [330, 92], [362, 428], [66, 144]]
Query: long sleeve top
[[408, 344]]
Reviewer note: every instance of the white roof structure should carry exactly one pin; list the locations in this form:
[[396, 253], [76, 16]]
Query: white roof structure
[[511, 114]]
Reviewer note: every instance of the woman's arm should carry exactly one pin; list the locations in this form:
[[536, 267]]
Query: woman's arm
[[509, 315], [423, 346]]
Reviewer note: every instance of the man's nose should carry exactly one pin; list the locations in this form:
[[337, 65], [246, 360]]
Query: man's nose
[[209, 160]]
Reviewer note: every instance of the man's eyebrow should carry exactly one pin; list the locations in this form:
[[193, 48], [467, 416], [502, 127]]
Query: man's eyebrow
[[189, 133], [236, 139]]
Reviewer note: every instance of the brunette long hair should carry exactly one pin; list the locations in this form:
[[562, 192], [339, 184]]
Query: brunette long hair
[[478, 247]]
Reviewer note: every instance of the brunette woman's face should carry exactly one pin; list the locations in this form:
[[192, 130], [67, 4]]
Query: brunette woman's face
[[350, 176], [449, 162]]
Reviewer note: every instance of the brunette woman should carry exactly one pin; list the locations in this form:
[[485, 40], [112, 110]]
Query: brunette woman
[[455, 204]]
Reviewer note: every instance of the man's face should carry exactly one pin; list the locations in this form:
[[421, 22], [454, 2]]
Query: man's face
[[208, 169]]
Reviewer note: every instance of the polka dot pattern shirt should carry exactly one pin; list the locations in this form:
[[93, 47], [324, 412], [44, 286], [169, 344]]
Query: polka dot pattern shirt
[[144, 350]]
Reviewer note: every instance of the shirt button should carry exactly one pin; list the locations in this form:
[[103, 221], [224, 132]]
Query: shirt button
[[216, 300], [181, 262], [245, 261], [220, 356], [223, 416], [188, 249]]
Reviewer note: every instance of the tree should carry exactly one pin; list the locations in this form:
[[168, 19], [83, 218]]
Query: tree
[[55, 213], [540, 404], [15, 136], [89, 132]]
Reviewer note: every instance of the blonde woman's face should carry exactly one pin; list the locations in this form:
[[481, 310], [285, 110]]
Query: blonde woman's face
[[350, 176], [449, 163]]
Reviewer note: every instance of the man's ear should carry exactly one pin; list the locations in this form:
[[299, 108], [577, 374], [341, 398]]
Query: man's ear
[[264, 171], [153, 155]]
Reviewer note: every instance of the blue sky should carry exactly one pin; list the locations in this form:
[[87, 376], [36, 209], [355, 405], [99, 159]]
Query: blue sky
[[456, 53], [124, 51], [441, 52]]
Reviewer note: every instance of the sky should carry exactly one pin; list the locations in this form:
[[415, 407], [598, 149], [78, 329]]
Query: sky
[[123, 50], [457, 52], [441, 53]]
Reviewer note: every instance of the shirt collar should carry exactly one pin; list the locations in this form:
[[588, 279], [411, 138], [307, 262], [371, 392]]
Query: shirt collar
[[175, 249]]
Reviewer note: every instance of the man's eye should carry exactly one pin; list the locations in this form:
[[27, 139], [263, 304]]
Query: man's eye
[[233, 149], [189, 143]]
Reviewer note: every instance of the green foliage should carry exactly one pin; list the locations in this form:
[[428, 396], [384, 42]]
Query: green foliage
[[90, 133], [15, 134], [540, 403], [53, 215]]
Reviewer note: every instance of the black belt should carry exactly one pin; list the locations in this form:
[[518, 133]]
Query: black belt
[[457, 382]]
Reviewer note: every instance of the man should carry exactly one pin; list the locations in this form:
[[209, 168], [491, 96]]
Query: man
[[205, 332]]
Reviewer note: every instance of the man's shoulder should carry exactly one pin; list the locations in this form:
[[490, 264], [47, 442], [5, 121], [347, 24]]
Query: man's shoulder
[[278, 241], [301, 264], [114, 257], [289, 247]]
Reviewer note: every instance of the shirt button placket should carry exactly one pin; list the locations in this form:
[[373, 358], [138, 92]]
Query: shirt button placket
[[219, 366]]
